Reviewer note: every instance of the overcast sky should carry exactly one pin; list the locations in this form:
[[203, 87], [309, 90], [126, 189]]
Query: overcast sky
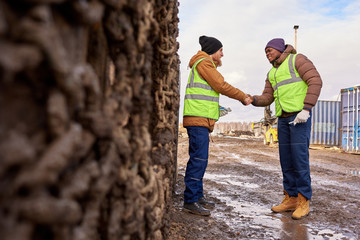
[[328, 34]]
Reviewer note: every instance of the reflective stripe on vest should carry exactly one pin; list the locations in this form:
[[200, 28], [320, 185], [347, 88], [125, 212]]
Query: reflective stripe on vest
[[289, 89], [200, 98]]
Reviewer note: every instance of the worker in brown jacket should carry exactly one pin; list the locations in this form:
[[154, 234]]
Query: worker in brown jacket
[[294, 84], [201, 111]]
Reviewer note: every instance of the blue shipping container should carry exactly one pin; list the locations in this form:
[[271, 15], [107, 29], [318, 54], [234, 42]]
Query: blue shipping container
[[325, 123], [350, 115]]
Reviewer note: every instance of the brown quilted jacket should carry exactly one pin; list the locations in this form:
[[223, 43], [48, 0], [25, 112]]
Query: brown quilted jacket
[[208, 72], [307, 72]]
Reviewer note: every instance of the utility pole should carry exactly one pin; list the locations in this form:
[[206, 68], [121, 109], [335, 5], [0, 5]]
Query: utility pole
[[296, 28]]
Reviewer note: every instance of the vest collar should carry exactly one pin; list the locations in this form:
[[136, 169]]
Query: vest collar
[[288, 50]]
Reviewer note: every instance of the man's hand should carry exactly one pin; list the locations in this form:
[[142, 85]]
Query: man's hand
[[301, 117]]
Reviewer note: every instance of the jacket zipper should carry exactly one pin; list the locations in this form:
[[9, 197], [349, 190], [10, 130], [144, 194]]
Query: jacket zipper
[[277, 89]]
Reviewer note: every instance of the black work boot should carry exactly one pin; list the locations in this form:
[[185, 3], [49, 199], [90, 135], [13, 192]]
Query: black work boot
[[206, 203], [196, 208]]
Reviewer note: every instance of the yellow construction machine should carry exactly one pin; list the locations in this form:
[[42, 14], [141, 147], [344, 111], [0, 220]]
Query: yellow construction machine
[[269, 127]]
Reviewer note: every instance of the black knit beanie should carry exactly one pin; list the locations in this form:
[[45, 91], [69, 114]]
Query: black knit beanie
[[209, 45]]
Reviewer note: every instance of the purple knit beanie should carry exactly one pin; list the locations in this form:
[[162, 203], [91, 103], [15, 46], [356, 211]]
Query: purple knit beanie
[[276, 43]]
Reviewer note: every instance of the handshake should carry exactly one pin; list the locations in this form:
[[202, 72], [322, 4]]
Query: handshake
[[249, 99]]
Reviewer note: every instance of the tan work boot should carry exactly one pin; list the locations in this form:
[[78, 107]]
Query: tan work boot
[[288, 204], [302, 209]]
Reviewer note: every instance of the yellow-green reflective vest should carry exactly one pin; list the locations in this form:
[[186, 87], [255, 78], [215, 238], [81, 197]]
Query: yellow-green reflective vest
[[289, 89], [201, 100]]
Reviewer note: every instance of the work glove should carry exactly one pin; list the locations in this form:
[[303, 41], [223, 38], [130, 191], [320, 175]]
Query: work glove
[[224, 111], [301, 117]]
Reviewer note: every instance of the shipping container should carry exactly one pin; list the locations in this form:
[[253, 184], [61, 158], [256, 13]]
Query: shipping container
[[325, 123], [350, 115]]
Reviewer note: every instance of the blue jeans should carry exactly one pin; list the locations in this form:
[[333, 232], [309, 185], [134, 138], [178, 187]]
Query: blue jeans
[[294, 156], [196, 166]]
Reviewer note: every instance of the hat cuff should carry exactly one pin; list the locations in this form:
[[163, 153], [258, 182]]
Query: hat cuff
[[275, 47]]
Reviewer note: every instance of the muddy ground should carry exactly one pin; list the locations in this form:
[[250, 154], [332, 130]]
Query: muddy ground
[[244, 179]]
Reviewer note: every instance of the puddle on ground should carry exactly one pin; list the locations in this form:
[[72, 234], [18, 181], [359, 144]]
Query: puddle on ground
[[257, 218]]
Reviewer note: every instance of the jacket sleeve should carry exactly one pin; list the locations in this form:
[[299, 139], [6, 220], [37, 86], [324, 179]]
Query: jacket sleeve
[[267, 96], [311, 76], [209, 73]]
